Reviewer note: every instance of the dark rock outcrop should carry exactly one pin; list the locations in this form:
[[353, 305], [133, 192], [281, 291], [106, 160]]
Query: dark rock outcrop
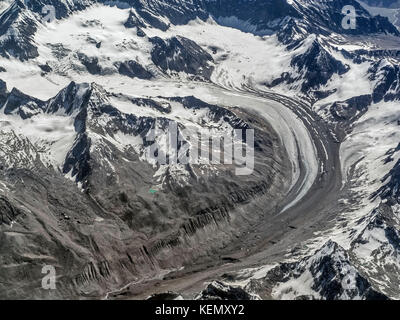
[[217, 290], [133, 69], [180, 54], [328, 274]]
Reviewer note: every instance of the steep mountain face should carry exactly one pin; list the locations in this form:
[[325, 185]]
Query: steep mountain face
[[17, 28], [325, 17], [328, 275], [261, 17], [220, 291], [3, 91], [180, 54], [133, 69], [376, 248], [81, 186], [387, 77], [313, 69]]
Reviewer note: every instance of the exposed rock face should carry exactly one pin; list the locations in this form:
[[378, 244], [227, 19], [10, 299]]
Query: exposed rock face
[[152, 19], [91, 64], [328, 274], [350, 109], [390, 190], [326, 16], [343, 114], [134, 21], [8, 212], [133, 69], [17, 28], [180, 54], [3, 91], [314, 67], [376, 249], [320, 66], [19, 103], [261, 17], [166, 296], [220, 291], [387, 77], [177, 12]]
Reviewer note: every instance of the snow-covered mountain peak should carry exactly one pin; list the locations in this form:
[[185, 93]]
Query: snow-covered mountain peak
[[328, 274], [74, 98]]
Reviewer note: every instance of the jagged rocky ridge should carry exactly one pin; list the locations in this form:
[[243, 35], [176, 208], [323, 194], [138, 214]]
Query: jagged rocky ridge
[[218, 290], [293, 23], [328, 274], [376, 248], [17, 28]]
